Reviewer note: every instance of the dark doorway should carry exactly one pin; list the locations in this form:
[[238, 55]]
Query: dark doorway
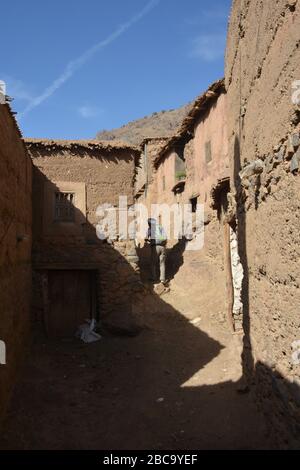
[[71, 299], [194, 203]]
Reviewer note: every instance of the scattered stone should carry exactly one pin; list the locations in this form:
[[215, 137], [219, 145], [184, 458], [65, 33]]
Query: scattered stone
[[295, 117], [294, 139], [269, 164], [195, 321], [279, 156], [289, 150], [295, 162], [254, 168], [160, 289]]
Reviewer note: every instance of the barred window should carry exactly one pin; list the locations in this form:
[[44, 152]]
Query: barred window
[[64, 209]]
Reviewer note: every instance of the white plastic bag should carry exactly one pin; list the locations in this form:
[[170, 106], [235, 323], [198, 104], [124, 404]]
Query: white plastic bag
[[86, 332]]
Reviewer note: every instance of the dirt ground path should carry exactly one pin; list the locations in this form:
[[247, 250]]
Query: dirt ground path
[[174, 386]]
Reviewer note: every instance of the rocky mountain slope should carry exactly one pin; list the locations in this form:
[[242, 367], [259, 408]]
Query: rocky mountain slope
[[161, 124]]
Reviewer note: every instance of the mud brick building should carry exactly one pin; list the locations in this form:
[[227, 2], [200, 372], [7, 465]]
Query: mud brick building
[[15, 248], [196, 157], [70, 180], [262, 63]]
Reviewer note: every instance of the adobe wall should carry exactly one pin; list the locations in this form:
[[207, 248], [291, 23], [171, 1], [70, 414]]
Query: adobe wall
[[262, 61], [100, 176], [210, 127], [15, 249], [206, 268], [145, 166], [201, 177], [165, 178]]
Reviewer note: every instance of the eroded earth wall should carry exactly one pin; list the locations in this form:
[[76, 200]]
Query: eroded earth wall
[[15, 250], [262, 65]]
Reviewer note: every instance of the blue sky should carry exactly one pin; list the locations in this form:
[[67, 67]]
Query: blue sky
[[75, 67]]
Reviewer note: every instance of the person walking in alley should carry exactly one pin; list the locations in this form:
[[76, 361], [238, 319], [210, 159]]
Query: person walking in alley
[[157, 238]]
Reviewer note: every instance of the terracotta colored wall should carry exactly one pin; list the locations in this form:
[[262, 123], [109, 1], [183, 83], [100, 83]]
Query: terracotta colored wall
[[263, 58], [201, 176], [15, 249], [166, 172]]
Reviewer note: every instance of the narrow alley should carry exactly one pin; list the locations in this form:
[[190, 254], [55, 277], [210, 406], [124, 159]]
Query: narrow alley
[[149, 275]]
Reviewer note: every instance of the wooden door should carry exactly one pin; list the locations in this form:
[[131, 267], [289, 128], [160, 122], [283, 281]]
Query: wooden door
[[70, 301]]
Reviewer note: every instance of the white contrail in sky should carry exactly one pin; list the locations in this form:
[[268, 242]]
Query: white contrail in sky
[[74, 65]]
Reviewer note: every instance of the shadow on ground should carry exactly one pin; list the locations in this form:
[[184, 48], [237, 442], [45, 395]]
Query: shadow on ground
[[130, 393]]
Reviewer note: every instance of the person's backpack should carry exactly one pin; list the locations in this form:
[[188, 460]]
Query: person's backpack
[[160, 235]]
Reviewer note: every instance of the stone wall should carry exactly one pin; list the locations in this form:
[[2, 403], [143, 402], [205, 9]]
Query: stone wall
[[262, 62], [15, 249], [96, 176], [145, 165]]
